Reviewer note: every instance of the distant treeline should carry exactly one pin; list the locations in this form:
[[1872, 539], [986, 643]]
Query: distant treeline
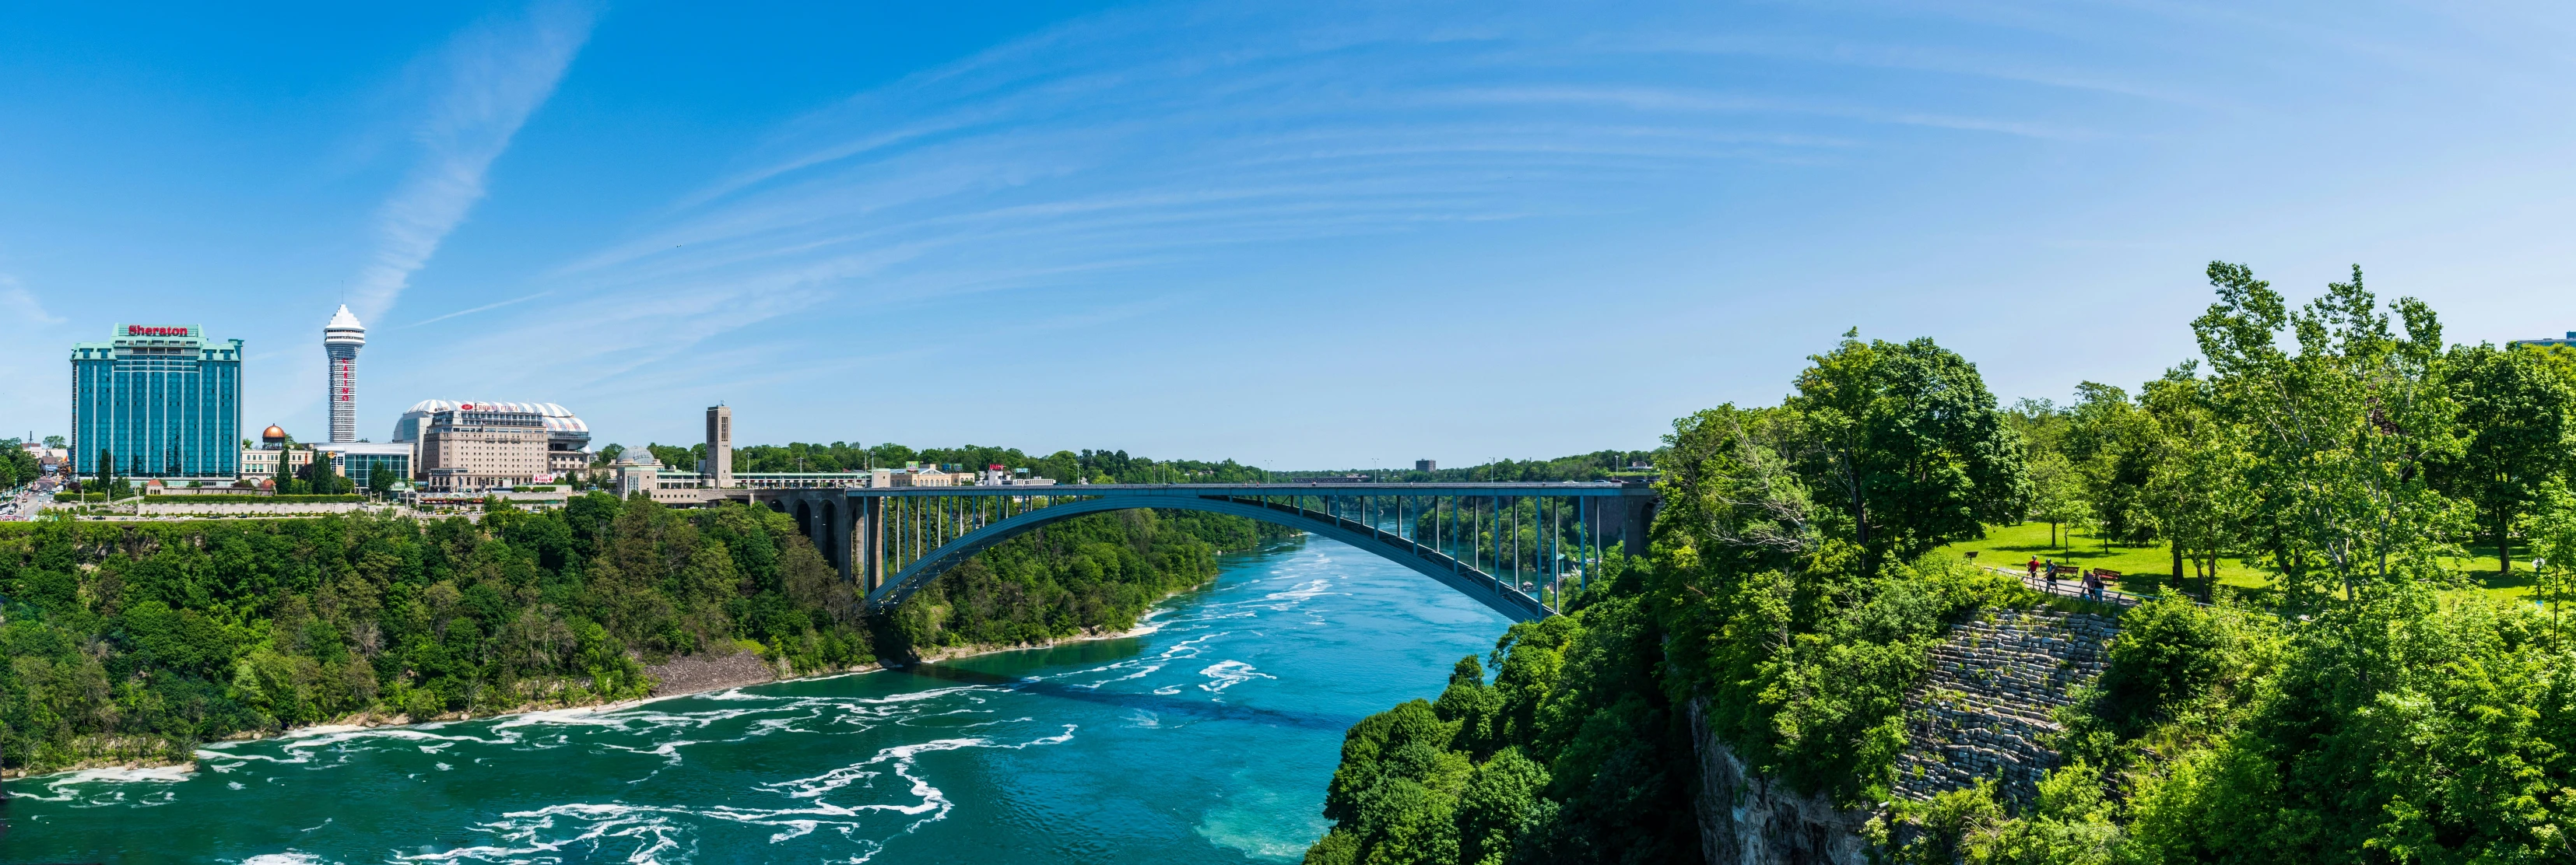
[[1108, 466], [136, 641], [1096, 466], [1594, 466]]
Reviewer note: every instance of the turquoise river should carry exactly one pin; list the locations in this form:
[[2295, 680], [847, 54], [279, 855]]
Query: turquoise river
[[1209, 739]]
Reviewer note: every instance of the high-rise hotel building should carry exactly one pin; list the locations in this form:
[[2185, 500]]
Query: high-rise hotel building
[[162, 401], [341, 340]]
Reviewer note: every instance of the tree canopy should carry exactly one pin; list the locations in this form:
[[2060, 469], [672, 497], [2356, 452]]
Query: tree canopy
[[2357, 708]]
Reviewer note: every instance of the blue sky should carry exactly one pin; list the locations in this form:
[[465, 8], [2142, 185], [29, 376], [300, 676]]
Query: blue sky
[[1301, 235]]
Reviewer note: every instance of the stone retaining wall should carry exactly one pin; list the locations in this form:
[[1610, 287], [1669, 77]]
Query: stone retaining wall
[[1989, 700]]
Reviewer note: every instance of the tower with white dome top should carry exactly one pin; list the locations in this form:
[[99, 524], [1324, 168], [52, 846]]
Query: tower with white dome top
[[341, 340]]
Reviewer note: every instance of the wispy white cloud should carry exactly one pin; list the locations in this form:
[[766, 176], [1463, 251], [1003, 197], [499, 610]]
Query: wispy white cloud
[[485, 83], [21, 306], [1176, 161], [484, 308], [1678, 100], [1088, 157]]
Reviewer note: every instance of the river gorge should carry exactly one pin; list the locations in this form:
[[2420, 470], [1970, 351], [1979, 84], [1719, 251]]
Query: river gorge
[[1209, 738]]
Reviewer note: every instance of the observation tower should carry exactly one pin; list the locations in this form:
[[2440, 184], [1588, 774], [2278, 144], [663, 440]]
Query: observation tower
[[341, 340]]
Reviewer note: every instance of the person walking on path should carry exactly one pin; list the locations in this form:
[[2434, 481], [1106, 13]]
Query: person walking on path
[[2093, 586], [2034, 568]]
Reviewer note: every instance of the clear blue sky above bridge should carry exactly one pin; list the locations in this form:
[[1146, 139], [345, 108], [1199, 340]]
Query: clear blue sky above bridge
[[1302, 234]]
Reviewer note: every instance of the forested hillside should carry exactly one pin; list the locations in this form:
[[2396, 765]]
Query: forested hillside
[[2368, 703], [137, 640]]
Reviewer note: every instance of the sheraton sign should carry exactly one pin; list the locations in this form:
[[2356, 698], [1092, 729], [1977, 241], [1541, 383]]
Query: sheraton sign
[[140, 330]]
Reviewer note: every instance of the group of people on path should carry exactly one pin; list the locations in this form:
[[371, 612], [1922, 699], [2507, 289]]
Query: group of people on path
[[2093, 583]]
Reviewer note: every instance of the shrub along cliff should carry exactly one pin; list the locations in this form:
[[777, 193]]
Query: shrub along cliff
[[2349, 712], [134, 641]]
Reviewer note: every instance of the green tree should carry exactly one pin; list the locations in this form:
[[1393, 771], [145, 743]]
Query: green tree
[[2197, 491], [2553, 548], [2342, 430], [2513, 412], [2057, 492], [2114, 445], [678, 458], [16, 467], [325, 480], [1906, 444]]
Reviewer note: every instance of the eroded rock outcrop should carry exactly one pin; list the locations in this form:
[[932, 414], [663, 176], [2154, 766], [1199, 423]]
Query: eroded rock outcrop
[[1748, 819], [1989, 702], [1982, 713]]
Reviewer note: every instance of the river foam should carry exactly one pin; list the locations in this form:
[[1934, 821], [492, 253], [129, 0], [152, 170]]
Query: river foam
[[1209, 740]]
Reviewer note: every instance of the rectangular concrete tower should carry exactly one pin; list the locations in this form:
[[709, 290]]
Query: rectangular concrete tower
[[717, 468]]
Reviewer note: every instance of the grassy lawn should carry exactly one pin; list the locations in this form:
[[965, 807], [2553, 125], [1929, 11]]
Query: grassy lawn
[[2147, 566], [2480, 563]]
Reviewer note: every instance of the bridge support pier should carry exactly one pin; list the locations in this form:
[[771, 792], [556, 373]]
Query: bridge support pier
[[837, 536], [1635, 517], [869, 542]]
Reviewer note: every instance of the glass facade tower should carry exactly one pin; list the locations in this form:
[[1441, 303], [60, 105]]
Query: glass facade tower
[[162, 401]]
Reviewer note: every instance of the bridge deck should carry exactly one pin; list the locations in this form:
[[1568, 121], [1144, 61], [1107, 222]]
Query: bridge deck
[[890, 540], [1585, 489]]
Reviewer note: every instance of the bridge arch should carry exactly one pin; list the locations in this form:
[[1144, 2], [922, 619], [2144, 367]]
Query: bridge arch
[[1423, 559]]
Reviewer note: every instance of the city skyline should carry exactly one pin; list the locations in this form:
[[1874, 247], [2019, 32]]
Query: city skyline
[[1303, 237]]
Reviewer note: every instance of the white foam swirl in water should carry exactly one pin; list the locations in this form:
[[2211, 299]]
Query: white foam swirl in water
[[290, 857], [70, 785], [1227, 674], [656, 834], [1138, 668], [300, 747]]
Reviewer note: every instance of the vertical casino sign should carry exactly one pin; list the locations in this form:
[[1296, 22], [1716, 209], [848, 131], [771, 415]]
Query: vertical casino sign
[[341, 340]]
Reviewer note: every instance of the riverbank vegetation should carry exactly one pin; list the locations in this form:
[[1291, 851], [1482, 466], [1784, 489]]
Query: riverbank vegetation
[[135, 641], [2348, 707]]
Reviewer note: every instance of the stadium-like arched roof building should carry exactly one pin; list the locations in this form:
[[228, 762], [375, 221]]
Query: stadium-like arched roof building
[[564, 431]]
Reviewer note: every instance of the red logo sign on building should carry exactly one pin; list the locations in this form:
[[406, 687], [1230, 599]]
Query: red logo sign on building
[[140, 330]]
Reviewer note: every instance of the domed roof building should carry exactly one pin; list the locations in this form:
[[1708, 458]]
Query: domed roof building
[[274, 436], [482, 443], [637, 471], [564, 431]]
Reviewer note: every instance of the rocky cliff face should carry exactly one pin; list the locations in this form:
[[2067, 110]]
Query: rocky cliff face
[[1980, 714], [1746, 819]]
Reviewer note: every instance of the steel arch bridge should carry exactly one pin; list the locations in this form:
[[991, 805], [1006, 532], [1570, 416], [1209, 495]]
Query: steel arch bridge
[[1515, 547]]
